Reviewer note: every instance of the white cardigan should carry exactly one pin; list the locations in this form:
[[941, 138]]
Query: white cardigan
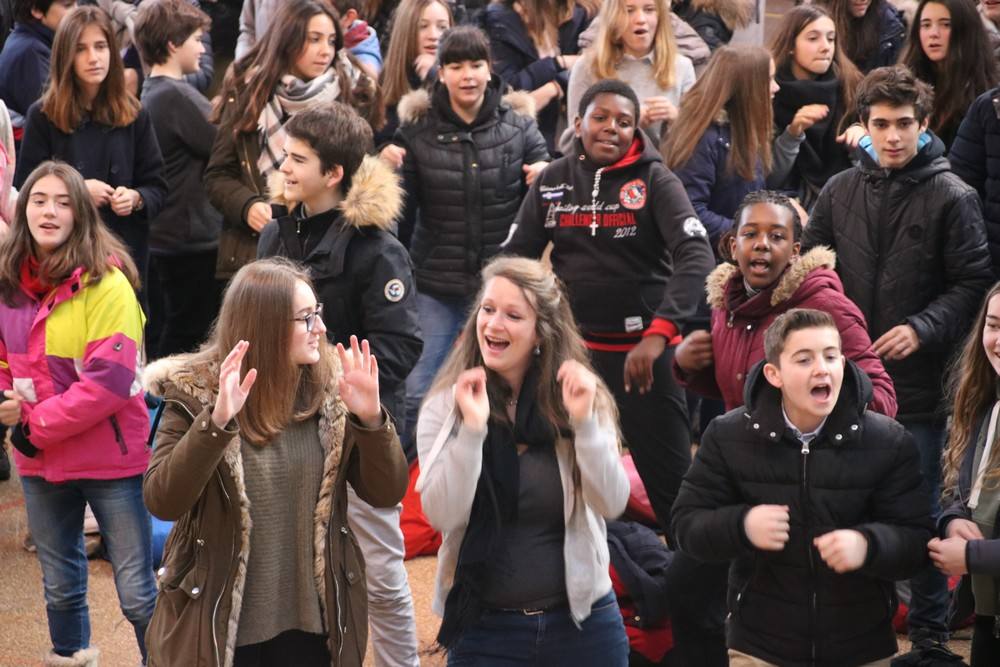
[[594, 487]]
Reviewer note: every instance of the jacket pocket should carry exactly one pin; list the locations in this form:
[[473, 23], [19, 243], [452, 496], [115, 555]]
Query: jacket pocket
[[119, 438]]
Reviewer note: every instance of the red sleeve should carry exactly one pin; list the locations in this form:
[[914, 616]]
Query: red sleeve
[[663, 327]]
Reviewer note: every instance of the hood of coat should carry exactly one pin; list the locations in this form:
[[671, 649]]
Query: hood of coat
[[929, 161], [764, 413], [726, 278], [734, 13], [415, 105], [374, 200], [194, 384]]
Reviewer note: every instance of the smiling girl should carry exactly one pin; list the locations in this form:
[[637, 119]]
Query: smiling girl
[[948, 48], [814, 108], [299, 64], [969, 543], [470, 153], [636, 45], [410, 62], [762, 277], [519, 469], [87, 118], [70, 350]]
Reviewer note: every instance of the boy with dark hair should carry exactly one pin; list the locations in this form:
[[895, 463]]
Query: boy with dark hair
[[24, 61], [336, 207], [817, 502], [184, 237], [912, 254]]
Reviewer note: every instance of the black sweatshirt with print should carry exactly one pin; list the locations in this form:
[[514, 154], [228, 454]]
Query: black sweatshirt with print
[[626, 242]]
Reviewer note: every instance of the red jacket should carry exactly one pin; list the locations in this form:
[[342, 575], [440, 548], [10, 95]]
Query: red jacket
[[739, 323]]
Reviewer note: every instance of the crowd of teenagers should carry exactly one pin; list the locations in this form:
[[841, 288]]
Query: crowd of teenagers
[[264, 266]]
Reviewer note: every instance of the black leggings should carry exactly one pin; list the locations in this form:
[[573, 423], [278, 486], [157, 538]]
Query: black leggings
[[293, 647]]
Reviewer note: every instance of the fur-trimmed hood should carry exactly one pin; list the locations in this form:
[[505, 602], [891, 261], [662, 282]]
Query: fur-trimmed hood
[[734, 13], [820, 257], [193, 384], [414, 105], [375, 198]]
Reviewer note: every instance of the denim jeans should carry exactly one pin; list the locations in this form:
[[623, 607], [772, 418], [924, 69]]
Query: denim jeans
[[55, 516], [928, 615], [441, 320], [549, 639]]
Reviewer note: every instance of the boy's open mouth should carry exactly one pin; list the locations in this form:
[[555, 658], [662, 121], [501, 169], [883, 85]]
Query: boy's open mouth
[[821, 391]]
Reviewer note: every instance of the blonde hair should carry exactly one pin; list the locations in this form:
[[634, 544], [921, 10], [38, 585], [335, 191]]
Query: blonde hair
[[403, 48], [556, 328], [609, 47]]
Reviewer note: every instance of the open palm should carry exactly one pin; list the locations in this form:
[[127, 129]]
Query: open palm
[[359, 383], [232, 393]]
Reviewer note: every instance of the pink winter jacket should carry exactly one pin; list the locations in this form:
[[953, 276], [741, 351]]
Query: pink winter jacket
[[74, 357]]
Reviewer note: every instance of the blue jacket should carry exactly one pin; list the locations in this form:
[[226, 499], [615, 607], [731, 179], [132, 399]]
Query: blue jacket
[[975, 158], [24, 67], [516, 60], [714, 191]]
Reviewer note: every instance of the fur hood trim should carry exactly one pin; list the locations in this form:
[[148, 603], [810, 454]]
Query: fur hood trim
[[820, 257], [414, 105], [374, 200], [734, 13], [199, 381]]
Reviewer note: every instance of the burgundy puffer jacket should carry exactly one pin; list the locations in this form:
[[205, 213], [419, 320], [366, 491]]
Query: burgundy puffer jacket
[[739, 323]]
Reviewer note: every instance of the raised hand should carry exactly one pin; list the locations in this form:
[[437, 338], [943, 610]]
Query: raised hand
[[579, 387], [471, 398], [842, 550], [359, 383], [767, 526], [806, 117], [232, 393]]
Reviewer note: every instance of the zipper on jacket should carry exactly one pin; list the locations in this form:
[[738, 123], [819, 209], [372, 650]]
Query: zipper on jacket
[[118, 434], [804, 498], [336, 596]]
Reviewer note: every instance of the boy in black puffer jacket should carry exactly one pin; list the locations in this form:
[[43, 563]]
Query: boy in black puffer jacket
[[816, 500]]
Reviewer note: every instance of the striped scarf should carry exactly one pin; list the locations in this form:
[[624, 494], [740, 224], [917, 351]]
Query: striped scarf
[[291, 96]]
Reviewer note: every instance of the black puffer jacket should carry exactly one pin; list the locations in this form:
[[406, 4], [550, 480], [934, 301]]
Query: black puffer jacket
[[861, 472], [464, 183], [975, 158], [891, 37], [911, 249]]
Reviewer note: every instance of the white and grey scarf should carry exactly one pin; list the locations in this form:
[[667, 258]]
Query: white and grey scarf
[[291, 96]]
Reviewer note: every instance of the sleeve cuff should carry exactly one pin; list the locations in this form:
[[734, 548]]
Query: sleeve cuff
[[663, 327], [19, 438]]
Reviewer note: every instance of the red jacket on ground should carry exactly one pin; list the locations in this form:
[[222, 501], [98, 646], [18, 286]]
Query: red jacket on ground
[[739, 323]]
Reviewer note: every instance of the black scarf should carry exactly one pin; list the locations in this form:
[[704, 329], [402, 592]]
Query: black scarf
[[494, 505], [820, 156]]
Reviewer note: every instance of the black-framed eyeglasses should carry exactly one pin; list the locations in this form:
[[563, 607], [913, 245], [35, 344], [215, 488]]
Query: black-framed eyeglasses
[[310, 318]]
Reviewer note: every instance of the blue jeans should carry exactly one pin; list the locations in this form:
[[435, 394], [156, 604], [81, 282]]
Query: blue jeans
[[441, 320], [549, 639], [928, 615], [55, 516]]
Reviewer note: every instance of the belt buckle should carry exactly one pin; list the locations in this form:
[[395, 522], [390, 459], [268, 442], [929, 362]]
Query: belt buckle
[[532, 612]]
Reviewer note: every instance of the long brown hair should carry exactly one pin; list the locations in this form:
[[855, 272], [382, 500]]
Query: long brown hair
[[972, 388], [253, 79], [968, 70], [783, 50], [609, 47], [737, 81], [556, 328], [62, 101], [542, 18], [90, 244], [858, 36], [257, 307], [403, 48]]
